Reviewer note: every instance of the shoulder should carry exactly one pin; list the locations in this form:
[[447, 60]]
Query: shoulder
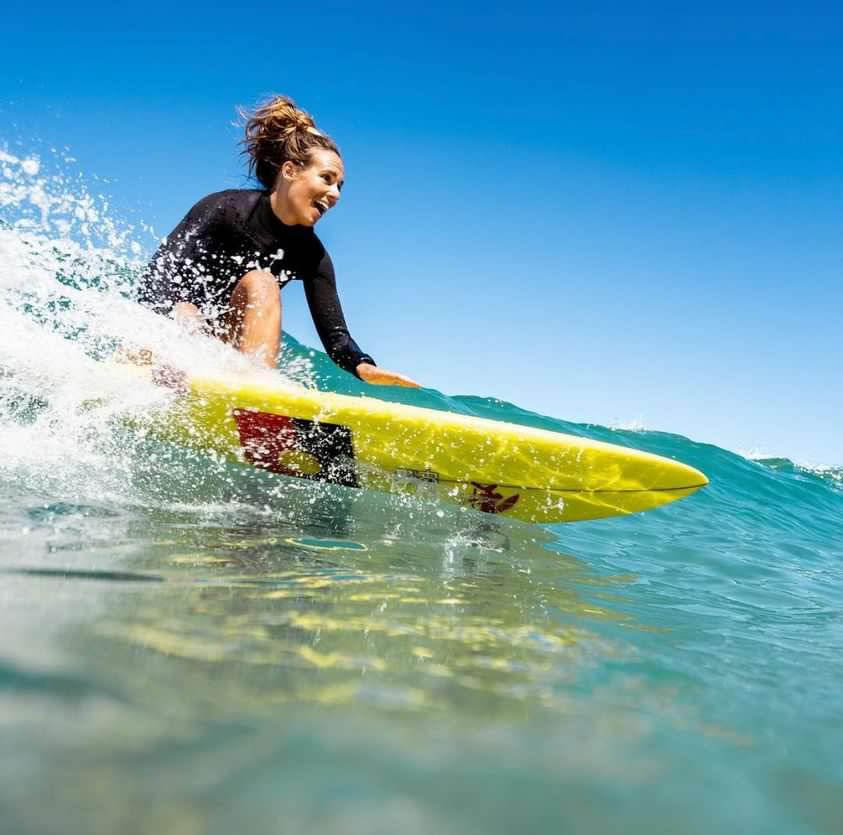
[[233, 204], [316, 245]]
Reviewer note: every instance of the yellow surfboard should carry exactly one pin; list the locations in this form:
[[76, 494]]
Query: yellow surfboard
[[361, 442]]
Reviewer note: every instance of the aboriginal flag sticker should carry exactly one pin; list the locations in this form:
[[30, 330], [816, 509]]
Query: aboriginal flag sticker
[[296, 447]]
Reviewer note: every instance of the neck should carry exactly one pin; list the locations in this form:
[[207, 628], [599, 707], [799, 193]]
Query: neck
[[280, 209]]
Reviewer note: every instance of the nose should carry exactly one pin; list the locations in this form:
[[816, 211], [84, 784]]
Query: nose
[[333, 194]]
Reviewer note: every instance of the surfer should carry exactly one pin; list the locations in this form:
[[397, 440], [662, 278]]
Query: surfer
[[221, 269]]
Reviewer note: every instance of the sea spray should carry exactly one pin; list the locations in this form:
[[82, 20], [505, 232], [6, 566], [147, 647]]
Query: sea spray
[[68, 270]]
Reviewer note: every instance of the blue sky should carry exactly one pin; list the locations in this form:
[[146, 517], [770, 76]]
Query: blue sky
[[602, 212]]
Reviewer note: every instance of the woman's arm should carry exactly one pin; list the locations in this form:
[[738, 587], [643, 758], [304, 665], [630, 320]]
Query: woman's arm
[[324, 304]]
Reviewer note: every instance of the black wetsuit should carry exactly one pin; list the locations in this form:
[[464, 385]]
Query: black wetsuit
[[224, 236]]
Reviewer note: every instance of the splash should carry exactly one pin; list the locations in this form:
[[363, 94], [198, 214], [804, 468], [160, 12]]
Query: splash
[[68, 268], [629, 425]]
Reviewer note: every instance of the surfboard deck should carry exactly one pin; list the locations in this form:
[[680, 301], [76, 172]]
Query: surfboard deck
[[361, 442]]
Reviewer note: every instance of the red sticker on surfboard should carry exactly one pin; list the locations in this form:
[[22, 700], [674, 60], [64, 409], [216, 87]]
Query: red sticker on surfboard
[[296, 447]]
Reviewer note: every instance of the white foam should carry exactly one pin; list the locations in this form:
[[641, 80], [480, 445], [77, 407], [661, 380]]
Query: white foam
[[66, 273], [758, 454], [629, 425]]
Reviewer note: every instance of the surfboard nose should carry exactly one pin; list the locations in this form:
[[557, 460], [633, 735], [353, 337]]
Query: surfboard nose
[[674, 475], [703, 478]]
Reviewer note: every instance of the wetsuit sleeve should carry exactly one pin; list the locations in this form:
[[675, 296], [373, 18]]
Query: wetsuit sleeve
[[181, 265], [324, 304]]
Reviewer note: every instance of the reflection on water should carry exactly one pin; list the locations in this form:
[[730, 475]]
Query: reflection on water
[[487, 621], [225, 657]]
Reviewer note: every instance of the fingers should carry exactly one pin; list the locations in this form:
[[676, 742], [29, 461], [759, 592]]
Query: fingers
[[383, 377], [390, 378]]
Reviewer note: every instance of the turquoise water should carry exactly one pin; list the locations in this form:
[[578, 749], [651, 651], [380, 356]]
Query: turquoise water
[[189, 647]]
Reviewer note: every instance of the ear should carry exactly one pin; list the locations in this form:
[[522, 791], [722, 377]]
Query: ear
[[289, 170]]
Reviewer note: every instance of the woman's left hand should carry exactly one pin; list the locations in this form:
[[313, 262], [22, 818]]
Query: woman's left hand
[[381, 377]]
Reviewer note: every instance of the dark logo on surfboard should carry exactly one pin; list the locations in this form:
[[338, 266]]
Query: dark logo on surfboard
[[485, 497], [296, 447]]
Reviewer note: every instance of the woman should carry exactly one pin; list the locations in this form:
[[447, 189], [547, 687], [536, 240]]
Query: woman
[[222, 267]]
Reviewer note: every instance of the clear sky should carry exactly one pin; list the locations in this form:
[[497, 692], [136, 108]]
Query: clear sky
[[606, 212]]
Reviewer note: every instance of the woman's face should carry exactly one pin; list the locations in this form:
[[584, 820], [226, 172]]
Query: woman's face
[[303, 194]]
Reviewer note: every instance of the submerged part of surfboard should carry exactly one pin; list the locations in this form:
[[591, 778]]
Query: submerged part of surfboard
[[494, 467]]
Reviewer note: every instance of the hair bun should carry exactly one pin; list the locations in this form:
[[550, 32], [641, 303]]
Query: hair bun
[[277, 131]]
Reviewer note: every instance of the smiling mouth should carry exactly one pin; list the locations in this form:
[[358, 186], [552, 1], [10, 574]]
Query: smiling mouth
[[321, 206]]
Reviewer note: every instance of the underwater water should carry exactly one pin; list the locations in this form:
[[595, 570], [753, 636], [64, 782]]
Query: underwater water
[[188, 646]]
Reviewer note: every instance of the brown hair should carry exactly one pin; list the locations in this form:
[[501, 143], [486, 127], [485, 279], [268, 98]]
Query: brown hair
[[278, 131]]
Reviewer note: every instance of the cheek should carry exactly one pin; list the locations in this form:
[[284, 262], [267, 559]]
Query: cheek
[[305, 189], [298, 193]]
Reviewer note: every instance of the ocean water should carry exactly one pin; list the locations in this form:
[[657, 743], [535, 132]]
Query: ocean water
[[190, 647]]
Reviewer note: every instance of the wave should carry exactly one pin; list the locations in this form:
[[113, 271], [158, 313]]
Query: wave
[[66, 284]]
